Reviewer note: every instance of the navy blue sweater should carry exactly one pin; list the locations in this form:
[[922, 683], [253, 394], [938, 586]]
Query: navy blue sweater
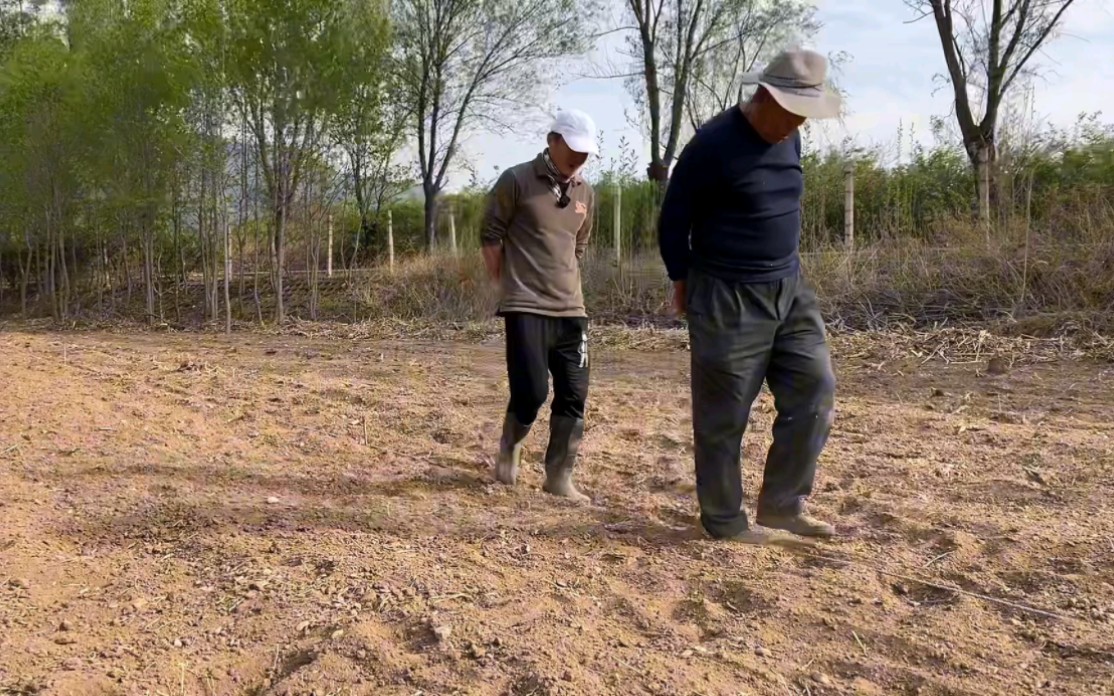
[[733, 205]]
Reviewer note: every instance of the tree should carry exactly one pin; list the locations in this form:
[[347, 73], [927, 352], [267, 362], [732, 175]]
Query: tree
[[757, 31], [288, 60], [370, 126], [16, 20], [470, 62], [135, 113], [39, 137], [683, 51], [985, 55]]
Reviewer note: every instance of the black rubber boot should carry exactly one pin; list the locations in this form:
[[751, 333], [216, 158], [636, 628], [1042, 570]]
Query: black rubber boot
[[510, 450], [565, 435]]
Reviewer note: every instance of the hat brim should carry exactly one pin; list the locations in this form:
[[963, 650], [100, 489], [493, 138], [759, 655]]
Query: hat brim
[[581, 144], [806, 102]]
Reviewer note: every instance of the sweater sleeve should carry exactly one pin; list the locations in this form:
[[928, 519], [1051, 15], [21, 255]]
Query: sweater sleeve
[[585, 231], [679, 208], [501, 202]]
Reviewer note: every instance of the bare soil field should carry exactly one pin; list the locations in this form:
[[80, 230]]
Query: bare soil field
[[261, 514]]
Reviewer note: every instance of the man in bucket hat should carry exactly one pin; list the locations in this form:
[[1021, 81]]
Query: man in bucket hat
[[535, 231], [729, 235]]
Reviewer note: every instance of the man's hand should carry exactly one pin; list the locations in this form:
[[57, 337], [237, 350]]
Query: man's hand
[[679, 298], [493, 260]]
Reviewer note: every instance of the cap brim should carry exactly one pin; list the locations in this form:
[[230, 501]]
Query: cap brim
[[581, 144], [806, 103]]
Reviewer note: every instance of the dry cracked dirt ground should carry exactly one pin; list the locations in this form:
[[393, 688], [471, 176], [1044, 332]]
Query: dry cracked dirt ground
[[190, 514]]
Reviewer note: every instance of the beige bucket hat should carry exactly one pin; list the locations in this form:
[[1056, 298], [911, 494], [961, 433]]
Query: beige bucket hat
[[796, 79]]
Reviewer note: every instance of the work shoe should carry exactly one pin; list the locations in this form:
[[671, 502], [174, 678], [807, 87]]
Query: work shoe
[[799, 524], [565, 435], [510, 450], [757, 535]]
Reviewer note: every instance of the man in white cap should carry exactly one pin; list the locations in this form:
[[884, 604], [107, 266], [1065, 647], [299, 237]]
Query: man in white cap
[[535, 231], [729, 235]]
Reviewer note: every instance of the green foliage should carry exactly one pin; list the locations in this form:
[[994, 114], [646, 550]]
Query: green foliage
[[134, 133], [16, 22]]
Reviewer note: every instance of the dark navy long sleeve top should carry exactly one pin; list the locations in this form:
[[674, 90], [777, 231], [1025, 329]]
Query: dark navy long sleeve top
[[733, 205]]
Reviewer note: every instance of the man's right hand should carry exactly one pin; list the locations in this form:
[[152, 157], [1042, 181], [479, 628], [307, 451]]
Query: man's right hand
[[679, 298], [493, 261]]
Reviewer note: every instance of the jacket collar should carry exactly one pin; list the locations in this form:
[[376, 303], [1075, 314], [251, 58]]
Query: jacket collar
[[542, 170]]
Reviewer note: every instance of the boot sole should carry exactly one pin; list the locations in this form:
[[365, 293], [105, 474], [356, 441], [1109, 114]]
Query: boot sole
[[785, 541]]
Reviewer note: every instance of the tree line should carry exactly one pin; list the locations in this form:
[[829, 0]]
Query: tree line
[[148, 143]]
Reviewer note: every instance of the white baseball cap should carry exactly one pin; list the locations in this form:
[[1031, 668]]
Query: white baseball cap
[[578, 129]]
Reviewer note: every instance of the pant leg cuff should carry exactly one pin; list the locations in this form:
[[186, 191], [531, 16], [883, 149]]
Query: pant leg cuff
[[790, 508], [721, 529]]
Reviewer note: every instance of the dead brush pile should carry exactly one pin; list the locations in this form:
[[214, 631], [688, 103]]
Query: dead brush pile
[[1032, 299]]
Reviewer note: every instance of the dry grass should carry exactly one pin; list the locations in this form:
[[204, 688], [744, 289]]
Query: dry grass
[[1017, 286], [1023, 286]]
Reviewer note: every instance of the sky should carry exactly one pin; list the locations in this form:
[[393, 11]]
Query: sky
[[890, 82]]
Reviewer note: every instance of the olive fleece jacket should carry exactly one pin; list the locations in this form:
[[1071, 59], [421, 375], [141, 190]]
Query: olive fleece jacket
[[542, 242]]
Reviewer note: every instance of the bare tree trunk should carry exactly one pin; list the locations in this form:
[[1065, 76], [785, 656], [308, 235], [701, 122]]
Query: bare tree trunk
[[313, 255], [356, 249], [76, 277], [227, 280], [52, 263], [329, 258], [158, 287], [313, 282], [26, 275], [64, 295], [216, 247], [255, 239], [110, 279], [179, 273], [431, 218], [280, 262], [207, 310], [125, 266], [149, 263], [242, 209], [63, 267], [99, 270]]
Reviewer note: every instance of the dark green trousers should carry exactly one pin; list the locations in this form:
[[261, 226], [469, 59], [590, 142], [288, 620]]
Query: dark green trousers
[[742, 334]]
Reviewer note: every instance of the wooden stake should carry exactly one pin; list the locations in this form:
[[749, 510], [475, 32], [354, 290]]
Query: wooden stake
[[452, 232], [329, 259], [618, 226], [390, 242], [849, 209]]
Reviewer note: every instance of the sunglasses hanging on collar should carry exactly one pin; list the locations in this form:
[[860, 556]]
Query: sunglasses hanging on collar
[[553, 173]]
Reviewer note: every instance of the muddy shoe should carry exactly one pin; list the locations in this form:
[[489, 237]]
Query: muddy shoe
[[510, 450], [762, 536], [564, 488], [565, 435], [802, 525]]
